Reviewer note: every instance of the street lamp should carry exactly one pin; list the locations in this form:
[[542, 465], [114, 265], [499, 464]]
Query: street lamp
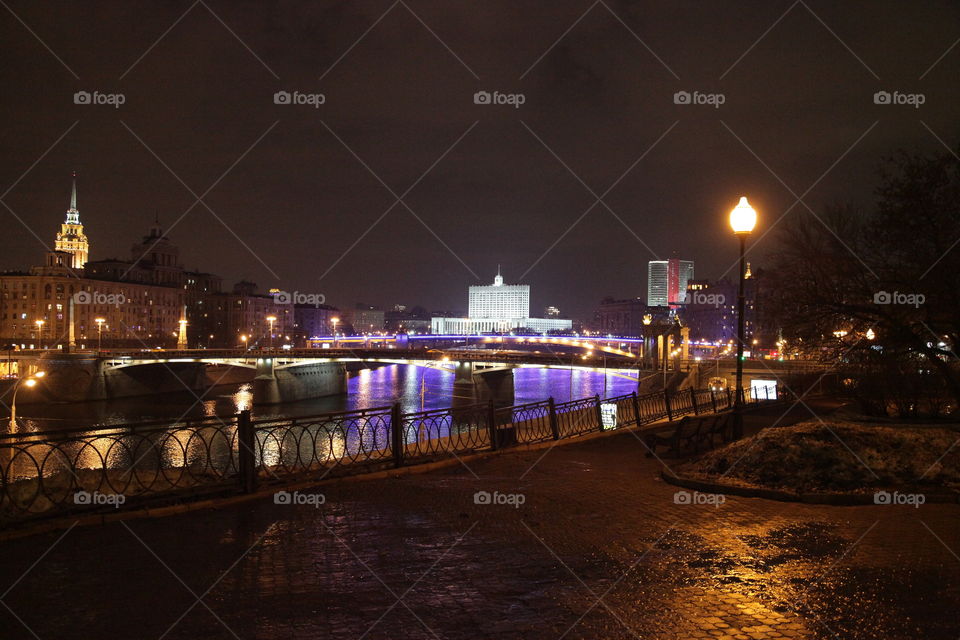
[[39, 324], [271, 320], [99, 322], [743, 218], [243, 339], [30, 381], [334, 321]]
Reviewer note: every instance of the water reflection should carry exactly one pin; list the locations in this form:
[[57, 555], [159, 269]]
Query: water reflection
[[413, 387]]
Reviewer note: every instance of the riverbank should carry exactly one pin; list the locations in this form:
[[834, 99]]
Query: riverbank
[[590, 544]]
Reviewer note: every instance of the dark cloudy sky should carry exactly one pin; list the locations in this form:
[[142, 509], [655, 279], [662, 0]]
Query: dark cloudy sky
[[292, 204]]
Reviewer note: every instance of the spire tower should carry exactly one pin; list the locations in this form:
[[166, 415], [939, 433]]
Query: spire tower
[[71, 238]]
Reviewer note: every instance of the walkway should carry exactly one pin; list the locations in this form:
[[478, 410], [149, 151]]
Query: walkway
[[598, 549]]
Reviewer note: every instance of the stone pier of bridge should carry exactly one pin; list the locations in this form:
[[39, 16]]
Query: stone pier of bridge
[[484, 383], [290, 382]]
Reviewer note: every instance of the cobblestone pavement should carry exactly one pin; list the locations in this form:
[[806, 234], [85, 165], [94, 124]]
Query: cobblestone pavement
[[598, 549]]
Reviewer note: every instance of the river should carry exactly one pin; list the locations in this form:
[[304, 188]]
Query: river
[[412, 386]]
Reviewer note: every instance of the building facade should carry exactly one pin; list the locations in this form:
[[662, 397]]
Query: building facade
[[667, 281], [498, 308], [711, 310], [499, 301], [620, 317]]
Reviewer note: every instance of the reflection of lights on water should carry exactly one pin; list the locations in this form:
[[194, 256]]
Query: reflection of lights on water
[[243, 398]]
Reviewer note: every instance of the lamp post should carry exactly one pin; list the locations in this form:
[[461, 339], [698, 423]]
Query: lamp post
[[39, 324], [271, 320], [29, 381], [99, 322], [334, 322], [243, 339], [743, 218]]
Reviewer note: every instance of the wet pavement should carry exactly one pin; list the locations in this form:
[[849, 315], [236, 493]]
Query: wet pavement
[[579, 541]]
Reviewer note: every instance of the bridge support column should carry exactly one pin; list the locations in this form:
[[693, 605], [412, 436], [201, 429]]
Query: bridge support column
[[291, 381], [463, 372], [464, 388], [266, 390], [495, 384]]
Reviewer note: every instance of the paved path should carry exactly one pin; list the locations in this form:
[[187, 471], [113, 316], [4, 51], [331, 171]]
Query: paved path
[[598, 549]]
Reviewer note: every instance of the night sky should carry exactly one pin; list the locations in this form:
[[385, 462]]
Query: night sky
[[288, 201]]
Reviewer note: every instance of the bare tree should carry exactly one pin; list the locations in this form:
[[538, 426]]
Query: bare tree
[[878, 289]]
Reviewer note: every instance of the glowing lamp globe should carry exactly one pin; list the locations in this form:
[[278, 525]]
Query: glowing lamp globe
[[743, 217]]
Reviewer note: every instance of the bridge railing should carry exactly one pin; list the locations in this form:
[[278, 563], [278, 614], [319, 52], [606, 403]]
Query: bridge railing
[[74, 471]]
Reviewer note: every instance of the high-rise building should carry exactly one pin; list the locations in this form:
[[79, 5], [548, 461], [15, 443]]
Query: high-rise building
[[70, 238], [499, 301], [667, 281]]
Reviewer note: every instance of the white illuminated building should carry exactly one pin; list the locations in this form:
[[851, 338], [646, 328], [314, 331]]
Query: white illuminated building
[[498, 308]]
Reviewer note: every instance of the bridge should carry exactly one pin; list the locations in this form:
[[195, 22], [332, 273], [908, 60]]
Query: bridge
[[483, 370]]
